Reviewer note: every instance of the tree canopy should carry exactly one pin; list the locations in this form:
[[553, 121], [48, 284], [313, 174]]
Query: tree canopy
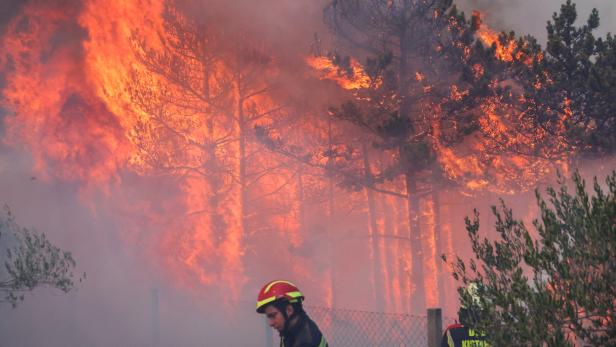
[[31, 261], [553, 286]]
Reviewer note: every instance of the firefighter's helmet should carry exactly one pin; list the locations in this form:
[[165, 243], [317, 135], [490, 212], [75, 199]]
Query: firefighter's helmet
[[278, 290]]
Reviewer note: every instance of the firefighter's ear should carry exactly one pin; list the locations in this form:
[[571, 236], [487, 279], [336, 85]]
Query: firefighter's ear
[[290, 310]]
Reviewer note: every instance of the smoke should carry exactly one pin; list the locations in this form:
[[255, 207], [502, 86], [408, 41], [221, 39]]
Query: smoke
[[528, 17], [128, 298], [8, 9]]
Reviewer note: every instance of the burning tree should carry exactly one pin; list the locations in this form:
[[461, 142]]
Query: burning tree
[[201, 93], [429, 85], [336, 160], [553, 104], [446, 99], [556, 290], [570, 91], [151, 92]]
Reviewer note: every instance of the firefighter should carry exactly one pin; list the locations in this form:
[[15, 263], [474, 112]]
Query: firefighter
[[281, 302], [458, 335]]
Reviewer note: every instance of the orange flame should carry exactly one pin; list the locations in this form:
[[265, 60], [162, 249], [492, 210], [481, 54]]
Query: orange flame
[[491, 38], [67, 125], [504, 52], [356, 79]]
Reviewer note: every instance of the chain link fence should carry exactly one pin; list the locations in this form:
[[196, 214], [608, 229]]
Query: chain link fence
[[344, 328]]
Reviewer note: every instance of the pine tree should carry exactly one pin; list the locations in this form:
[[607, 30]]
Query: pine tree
[[569, 92], [31, 261], [555, 289], [417, 98]]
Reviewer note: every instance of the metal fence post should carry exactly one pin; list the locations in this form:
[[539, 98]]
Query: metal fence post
[[435, 327]]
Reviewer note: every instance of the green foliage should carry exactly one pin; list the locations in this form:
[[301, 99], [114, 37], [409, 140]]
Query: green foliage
[[31, 261], [571, 91], [554, 287]]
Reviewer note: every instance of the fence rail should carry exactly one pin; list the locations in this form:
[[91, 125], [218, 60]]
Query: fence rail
[[343, 327]]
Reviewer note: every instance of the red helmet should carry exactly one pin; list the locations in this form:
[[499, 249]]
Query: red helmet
[[278, 290]]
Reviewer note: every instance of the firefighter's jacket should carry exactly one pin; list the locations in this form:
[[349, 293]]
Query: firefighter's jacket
[[458, 335], [304, 333]]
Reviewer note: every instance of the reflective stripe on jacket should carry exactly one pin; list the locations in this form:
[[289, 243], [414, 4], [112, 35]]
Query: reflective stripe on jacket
[[458, 335]]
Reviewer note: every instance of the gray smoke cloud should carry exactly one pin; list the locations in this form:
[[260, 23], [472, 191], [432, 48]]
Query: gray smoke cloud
[[126, 299]]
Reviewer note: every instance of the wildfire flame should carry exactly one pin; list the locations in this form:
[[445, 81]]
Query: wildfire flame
[[489, 37], [504, 52], [74, 112], [356, 78], [98, 107]]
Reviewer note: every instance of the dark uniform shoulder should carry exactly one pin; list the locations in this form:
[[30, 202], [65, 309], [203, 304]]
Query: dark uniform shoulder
[[311, 335], [308, 335]]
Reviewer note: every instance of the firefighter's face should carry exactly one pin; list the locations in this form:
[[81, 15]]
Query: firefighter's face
[[275, 318]]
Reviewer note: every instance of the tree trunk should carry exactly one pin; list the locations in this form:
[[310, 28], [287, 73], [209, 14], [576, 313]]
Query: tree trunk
[[439, 241], [331, 222], [241, 120], [389, 257], [301, 214], [401, 255], [418, 296], [375, 234], [417, 277]]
